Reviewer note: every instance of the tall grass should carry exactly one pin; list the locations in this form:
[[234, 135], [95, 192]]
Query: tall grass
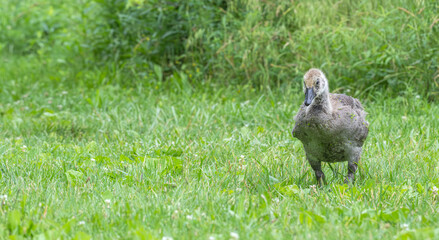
[[363, 46]]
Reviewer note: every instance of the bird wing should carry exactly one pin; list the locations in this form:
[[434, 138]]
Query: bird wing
[[354, 115]]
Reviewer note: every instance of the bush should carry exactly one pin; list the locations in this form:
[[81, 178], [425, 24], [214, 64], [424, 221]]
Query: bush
[[363, 46], [36, 27], [153, 32]]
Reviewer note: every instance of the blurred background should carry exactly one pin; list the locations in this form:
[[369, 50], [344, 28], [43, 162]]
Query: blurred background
[[366, 48]]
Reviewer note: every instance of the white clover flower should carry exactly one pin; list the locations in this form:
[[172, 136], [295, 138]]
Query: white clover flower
[[417, 96], [81, 223], [108, 202], [242, 157], [234, 235], [4, 198], [64, 92], [211, 238], [405, 226], [238, 189], [175, 214], [189, 217], [404, 117], [313, 188], [434, 189], [92, 159], [167, 238], [24, 148]]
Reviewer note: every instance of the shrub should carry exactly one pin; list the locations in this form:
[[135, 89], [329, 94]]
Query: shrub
[[363, 46], [150, 31], [36, 27]]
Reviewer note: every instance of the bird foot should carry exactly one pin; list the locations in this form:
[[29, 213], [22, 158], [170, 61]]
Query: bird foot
[[350, 179], [321, 181]]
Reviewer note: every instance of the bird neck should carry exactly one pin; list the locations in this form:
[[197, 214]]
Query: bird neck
[[322, 101]]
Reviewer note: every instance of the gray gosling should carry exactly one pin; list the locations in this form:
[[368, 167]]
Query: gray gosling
[[331, 127]]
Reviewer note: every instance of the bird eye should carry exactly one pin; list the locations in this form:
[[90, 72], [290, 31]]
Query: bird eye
[[317, 82]]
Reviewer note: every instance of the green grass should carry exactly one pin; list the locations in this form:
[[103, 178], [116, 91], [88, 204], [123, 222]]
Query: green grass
[[182, 129], [195, 161]]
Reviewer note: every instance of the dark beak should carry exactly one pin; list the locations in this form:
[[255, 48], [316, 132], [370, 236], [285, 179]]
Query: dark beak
[[309, 96]]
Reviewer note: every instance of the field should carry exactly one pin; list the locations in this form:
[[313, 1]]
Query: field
[[120, 150], [194, 163]]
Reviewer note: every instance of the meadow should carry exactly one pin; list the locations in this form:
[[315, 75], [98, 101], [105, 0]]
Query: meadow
[[99, 148]]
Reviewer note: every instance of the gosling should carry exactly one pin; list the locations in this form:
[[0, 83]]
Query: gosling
[[332, 127]]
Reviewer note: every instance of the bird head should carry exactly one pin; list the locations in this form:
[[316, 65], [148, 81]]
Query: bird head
[[314, 85]]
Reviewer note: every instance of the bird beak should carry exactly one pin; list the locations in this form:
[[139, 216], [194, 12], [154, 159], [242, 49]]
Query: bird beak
[[309, 96]]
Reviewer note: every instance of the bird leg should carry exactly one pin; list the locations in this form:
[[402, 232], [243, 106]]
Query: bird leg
[[320, 176], [352, 168]]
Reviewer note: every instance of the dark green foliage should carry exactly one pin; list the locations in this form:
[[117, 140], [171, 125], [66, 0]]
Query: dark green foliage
[[153, 32], [364, 46], [37, 27]]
